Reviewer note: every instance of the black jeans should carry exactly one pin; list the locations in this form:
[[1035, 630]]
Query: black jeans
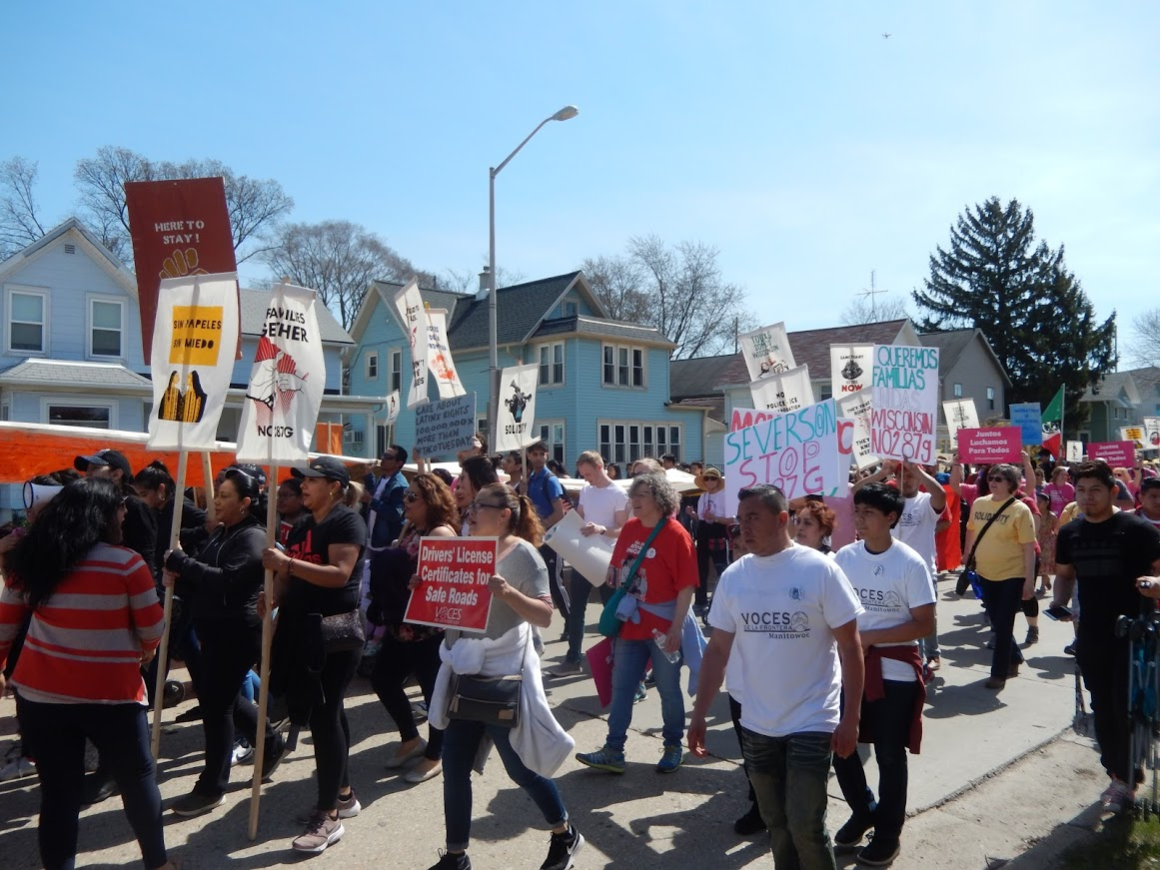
[[579, 590], [229, 648], [735, 715], [889, 718], [1103, 661], [54, 734], [396, 661], [330, 730], [1002, 600], [711, 547]]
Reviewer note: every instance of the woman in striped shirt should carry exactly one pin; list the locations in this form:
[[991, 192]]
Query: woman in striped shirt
[[95, 620]]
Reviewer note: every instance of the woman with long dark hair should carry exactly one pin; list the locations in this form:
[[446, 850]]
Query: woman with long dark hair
[[409, 649], [154, 485], [95, 620], [227, 578]]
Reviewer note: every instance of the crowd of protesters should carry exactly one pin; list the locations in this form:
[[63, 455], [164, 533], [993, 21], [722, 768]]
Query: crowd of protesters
[[843, 586]]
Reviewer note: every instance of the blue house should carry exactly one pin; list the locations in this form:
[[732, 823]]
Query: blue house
[[603, 384]]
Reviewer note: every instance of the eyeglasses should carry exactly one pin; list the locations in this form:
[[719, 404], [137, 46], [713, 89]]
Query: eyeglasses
[[478, 506]]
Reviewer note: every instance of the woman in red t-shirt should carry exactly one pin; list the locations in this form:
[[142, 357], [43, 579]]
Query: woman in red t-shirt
[[662, 588]]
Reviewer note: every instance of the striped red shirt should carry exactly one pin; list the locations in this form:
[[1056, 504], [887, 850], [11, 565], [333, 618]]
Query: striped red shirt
[[84, 644]]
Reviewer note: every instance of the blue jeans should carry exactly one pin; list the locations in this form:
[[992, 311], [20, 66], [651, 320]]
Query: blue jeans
[[628, 663], [578, 591], [460, 743], [1003, 599], [789, 776]]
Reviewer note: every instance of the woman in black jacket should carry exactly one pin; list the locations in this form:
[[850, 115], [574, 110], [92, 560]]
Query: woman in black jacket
[[227, 577]]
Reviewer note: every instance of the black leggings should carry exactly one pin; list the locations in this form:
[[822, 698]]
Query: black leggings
[[397, 660], [330, 730]]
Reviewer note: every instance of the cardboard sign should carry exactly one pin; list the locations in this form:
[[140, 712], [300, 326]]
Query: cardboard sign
[[445, 427], [854, 427], [413, 318], [1117, 454], [1135, 434], [991, 445], [851, 368], [1029, 420], [1075, 451], [798, 452], [440, 365], [960, 414], [179, 228], [788, 391], [454, 578], [588, 554], [766, 351], [196, 335], [1151, 433], [905, 416], [745, 417], [517, 407]]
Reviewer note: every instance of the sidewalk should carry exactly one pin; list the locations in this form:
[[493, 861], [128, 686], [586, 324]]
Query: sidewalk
[[994, 779]]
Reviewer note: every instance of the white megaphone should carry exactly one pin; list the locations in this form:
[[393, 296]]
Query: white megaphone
[[37, 494]]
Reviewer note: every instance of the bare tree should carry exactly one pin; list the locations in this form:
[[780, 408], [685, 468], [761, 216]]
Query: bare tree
[[1144, 345], [339, 260], [864, 309], [467, 281], [254, 205], [617, 283], [20, 222]]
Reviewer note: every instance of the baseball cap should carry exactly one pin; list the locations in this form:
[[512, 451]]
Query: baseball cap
[[324, 466], [112, 458], [254, 471]]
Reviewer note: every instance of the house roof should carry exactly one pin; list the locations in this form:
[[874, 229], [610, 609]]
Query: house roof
[[1115, 387], [952, 342], [384, 290], [62, 373], [253, 316], [1147, 381], [714, 405], [519, 311], [103, 256], [701, 377], [582, 325]]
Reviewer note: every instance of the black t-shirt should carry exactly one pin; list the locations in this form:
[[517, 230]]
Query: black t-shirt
[[1107, 558], [309, 541]]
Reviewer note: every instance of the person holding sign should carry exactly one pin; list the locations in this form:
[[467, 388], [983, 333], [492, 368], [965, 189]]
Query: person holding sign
[[318, 577], [519, 597]]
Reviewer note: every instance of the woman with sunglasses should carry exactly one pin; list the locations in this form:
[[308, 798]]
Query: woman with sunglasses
[[407, 649], [520, 596], [227, 578]]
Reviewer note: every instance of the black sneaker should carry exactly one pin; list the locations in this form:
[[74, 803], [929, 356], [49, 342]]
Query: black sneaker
[[1032, 635], [98, 786], [276, 753], [562, 850], [195, 804], [448, 861], [193, 714], [851, 833], [880, 852], [749, 824], [1070, 649]]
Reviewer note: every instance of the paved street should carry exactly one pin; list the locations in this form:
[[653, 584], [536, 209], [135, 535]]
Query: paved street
[[992, 780]]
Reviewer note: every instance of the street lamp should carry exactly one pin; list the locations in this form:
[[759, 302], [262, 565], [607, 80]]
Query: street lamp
[[565, 114]]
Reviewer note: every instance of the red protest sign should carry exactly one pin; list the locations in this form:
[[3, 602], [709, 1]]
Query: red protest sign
[[990, 445], [1118, 454], [179, 228], [453, 590]]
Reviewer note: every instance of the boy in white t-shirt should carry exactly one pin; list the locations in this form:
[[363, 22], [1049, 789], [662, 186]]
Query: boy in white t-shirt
[[893, 584], [780, 617]]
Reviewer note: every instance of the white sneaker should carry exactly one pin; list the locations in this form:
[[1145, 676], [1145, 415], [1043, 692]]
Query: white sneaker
[[1119, 797], [17, 768], [243, 754]]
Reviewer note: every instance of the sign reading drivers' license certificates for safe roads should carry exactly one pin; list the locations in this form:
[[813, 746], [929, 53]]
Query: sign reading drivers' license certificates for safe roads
[[454, 583]]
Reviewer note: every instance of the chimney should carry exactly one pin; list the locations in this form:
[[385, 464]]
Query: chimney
[[484, 284]]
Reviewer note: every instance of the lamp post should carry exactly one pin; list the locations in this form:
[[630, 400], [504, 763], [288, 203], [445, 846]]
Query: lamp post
[[565, 114]]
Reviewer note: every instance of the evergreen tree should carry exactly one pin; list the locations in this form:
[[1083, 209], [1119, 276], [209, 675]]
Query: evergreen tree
[[1032, 310]]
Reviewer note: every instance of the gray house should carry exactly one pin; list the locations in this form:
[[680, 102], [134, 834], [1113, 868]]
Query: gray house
[[969, 369]]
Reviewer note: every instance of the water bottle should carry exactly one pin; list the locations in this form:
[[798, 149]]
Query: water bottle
[[659, 638]]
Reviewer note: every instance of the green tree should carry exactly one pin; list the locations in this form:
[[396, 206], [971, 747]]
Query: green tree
[[1020, 294]]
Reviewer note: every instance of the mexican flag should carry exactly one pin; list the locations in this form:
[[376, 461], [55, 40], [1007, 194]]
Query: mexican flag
[[1052, 418]]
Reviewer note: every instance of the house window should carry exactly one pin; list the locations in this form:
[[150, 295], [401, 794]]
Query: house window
[[552, 364], [624, 366], [68, 414], [629, 441], [106, 326], [27, 319], [4, 412], [991, 398], [396, 370], [957, 392], [372, 365], [552, 434]]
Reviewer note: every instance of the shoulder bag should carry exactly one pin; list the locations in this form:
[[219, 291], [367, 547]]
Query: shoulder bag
[[490, 700], [609, 624], [970, 577]]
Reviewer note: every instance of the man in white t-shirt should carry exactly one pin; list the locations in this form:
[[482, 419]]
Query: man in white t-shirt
[[604, 508], [780, 617], [892, 582]]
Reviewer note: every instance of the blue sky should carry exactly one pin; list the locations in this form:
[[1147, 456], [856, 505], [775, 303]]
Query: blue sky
[[794, 137]]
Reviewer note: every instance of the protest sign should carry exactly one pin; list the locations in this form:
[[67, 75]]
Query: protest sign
[[851, 368], [744, 417], [905, 415], [179, 228], [454, 578], [394, 402], [589, 554], [600, 666], [412, 316], [1135, 434], [797, 452], [1118, 454], [440, 365], [196, 336], [286, 382], [990, 445], [1029, 420], [789, 391], [1075, 451], [517, 407], [854, 414], [445, 427], [960, 414], [766, 351], [1152, 432]]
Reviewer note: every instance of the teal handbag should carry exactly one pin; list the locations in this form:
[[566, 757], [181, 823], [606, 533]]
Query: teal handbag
[[609, 623]]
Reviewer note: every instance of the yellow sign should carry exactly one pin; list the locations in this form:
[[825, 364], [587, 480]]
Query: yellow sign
[[197, 335]]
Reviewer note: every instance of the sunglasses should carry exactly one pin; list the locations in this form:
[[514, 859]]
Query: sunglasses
[[998, 477], [411, 497], [478, 506]]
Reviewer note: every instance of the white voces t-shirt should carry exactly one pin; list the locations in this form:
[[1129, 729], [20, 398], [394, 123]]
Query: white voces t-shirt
[[916, 528], [888, 584], [601, 503], [781, 611]]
